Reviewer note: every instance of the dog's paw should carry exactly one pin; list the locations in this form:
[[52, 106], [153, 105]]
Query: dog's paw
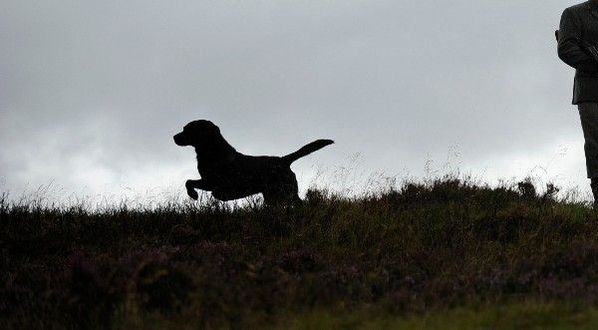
[[192, 193]]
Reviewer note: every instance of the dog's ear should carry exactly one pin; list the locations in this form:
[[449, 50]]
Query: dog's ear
[[211, 125], [211, 129], [203, 130]]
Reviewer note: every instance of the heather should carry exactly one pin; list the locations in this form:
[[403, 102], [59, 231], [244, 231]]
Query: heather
[[448, 251]]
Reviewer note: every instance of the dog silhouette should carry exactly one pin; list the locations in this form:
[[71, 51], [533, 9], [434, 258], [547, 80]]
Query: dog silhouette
[[229, 174]]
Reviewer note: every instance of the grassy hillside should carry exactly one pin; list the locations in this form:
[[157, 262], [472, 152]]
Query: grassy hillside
[[425, 255]]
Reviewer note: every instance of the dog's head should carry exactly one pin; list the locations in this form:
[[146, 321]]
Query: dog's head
[[198, 133]]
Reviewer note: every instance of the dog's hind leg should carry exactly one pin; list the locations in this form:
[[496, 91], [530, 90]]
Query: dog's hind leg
[[191, 185], [283, 191]]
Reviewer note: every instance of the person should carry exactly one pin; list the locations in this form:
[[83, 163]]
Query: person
[[577, 38]]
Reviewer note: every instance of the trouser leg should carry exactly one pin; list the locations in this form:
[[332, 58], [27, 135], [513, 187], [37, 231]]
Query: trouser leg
[[594, 185], [588, 112]]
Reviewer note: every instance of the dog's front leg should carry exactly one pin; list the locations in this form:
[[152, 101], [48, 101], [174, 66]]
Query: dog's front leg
[[191, 185]]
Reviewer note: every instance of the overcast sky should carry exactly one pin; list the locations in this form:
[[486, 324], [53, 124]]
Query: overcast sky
[[91, 92]]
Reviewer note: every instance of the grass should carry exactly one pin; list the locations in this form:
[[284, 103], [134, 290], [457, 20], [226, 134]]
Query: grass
[[443, 254], [509, 316]]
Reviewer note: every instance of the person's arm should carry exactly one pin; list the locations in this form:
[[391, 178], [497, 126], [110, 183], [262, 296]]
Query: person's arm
[[569, 44]]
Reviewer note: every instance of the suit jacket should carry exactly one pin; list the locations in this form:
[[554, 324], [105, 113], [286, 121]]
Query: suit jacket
[[577, 40]]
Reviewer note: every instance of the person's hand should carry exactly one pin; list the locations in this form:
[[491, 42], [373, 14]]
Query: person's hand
[[591, 48]]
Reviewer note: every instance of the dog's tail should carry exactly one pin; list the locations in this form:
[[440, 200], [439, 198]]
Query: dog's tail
[[306, 150]]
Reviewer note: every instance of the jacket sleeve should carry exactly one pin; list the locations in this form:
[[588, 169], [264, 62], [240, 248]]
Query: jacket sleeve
[[570, 49]]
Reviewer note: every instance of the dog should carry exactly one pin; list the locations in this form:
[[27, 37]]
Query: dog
[[229, 174]]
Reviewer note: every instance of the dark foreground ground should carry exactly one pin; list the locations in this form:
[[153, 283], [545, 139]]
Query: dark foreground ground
[[447, 254]]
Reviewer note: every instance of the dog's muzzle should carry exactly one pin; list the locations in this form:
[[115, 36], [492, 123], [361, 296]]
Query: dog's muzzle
[[179, 140]]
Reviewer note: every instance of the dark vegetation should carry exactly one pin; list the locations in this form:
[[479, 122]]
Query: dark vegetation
[[418, 249]]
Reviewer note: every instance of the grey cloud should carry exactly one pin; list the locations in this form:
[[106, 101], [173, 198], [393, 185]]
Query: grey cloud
[[398, 81]]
